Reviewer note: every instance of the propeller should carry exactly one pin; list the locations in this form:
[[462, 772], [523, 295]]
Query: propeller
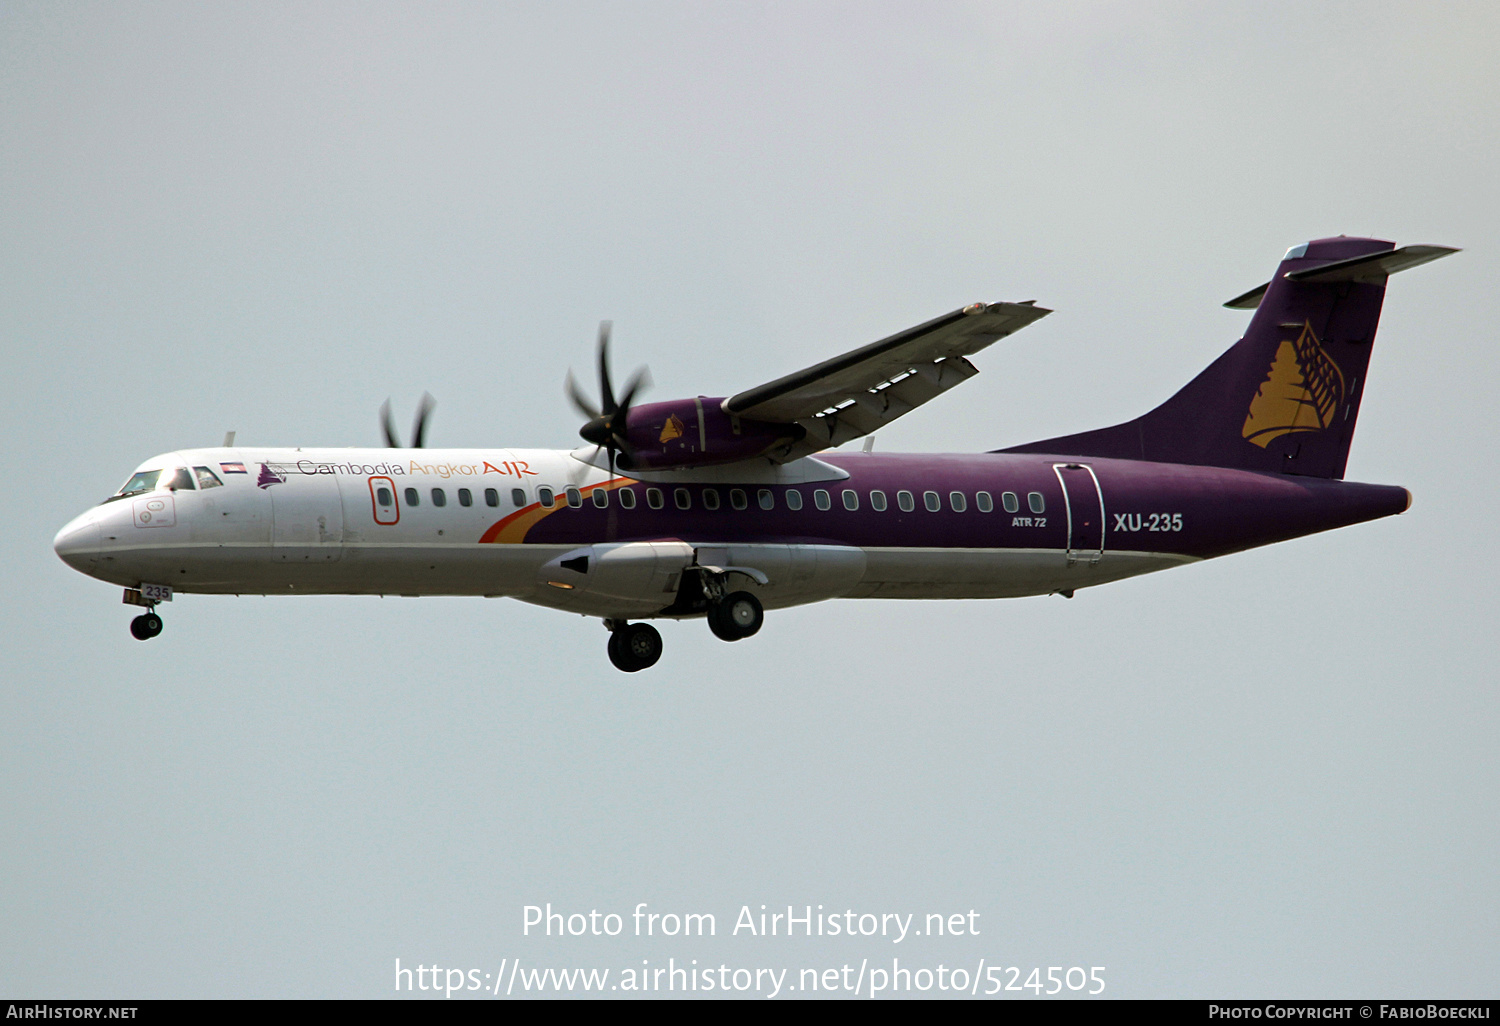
[[607, 422], [418, 428]]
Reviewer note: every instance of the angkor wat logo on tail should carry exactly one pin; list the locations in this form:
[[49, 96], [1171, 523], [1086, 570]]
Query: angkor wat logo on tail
[[1302, 392]]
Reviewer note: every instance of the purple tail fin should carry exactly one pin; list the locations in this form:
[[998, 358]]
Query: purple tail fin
[[1285, 397]]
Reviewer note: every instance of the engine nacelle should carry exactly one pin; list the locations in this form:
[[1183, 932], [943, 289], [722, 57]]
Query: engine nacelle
[[697, 433]]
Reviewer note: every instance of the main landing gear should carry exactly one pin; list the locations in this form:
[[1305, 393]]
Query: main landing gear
[[735, 616], [636, 646], [732, 615], [146, 626], [633, 646]]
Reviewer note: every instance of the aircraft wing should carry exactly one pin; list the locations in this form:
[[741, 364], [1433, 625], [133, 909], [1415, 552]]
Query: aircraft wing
[[856, 393]]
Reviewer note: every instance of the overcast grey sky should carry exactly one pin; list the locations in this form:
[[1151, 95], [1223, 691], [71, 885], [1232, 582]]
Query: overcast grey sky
[[1270, 775]]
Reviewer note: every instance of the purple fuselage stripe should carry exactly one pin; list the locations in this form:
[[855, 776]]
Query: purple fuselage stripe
[[1216, 510]]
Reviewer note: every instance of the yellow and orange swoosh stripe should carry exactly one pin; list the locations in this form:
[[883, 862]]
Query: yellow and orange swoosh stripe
[[512, 530]]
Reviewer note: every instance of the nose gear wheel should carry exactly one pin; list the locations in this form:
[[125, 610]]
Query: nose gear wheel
[[145, 627]]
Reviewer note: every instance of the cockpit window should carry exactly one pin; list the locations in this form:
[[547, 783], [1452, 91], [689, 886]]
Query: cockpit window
[[207, 478], [145, 481], [150, 480]]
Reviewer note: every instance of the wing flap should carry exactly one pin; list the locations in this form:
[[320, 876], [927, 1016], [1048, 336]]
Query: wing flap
[[874, 409], [853, 394]]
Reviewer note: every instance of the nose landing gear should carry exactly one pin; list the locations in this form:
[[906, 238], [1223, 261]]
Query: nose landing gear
[[146, 626], [633, 646]]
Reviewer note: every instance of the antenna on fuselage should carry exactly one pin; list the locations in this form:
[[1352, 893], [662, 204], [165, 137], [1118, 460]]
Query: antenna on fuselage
[[229, 439]]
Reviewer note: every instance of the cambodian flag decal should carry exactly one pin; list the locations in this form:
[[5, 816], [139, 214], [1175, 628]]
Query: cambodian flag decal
[[233, 468]]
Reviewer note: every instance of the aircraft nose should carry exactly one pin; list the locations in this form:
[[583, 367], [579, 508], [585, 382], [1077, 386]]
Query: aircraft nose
[[78, 543]]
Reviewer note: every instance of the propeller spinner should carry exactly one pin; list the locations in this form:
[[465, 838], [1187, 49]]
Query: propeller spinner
[[606, 426]]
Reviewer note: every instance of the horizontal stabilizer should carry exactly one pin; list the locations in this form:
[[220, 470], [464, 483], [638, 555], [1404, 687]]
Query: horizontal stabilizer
[[1285, 398], [1250, 300], [1373, 269]]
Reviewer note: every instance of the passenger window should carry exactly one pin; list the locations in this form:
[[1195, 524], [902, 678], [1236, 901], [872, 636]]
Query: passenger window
[[207, 478], [932, 501], [710, 498], [654, 498], [793, 499], [181, 479], [765, 498], [546, 496], [491, 497], [681, 498], [737, 498], [1036, 502], [905, 501], [575, 497], [821, 499], [383, 496], [412, 498], [465, 497], [439, 497], [984, 502], [1011, 502], [957, 501], [627, 498], [877, 501], [601, 498], [851, 499], [518, 497]]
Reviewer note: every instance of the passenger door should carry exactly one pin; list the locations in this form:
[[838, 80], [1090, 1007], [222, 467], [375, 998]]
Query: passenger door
[[1084, 505], [385, 503]]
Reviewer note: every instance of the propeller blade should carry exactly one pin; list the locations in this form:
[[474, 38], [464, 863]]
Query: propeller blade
[[388, 426], [641, 380], [419, 426], [580, 400], [580, 471], [607, 422], [606, 394]]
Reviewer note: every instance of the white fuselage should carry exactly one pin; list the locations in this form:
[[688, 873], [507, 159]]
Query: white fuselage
[[455, 522]]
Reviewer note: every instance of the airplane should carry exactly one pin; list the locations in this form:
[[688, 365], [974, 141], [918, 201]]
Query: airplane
[[720, 508]]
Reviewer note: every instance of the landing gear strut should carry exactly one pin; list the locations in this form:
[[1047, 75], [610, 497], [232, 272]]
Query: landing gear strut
[[633, 646], [146, 626]]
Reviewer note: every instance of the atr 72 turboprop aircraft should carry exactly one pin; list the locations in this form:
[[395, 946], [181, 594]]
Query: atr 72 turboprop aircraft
[[724, 507]]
